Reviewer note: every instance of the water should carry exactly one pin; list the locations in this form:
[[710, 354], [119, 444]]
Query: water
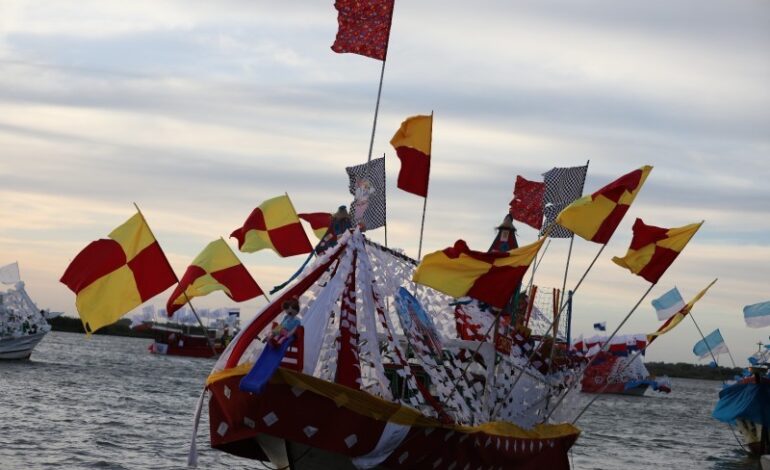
[[107, 403]]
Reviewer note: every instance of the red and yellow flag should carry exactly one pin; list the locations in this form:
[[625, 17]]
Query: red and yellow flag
[[653, 249], [677, 318], [275, 225], [489, 277], [596, 216], [110, 277], [215, 268], [319, 222], [412, 142]]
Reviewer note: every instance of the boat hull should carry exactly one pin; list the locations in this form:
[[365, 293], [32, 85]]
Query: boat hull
[[19, 348], [339, 424], [617, 389]]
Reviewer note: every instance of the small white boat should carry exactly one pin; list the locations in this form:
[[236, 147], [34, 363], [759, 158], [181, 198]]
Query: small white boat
[[22, 325], [21, 347]]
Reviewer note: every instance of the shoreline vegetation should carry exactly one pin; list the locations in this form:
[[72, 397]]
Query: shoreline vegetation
[[679, 369]]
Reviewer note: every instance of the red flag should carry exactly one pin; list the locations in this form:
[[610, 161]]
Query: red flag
[[527, 202], [364, 27], [412, 142]]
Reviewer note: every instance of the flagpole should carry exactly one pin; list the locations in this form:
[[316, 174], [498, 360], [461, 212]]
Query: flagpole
[[187, 299], [425, 199], [377, 106], [604, 345]]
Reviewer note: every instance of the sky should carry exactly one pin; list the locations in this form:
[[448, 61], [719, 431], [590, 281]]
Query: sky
[[197, 111]]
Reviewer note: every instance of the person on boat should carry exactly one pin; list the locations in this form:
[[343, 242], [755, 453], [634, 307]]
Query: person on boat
[[289, 325]]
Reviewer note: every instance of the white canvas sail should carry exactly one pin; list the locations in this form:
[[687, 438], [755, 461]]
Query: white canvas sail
[[9, 274]]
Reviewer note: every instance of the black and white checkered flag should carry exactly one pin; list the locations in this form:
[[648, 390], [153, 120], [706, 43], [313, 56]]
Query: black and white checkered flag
[[367, 185], [562, 187]]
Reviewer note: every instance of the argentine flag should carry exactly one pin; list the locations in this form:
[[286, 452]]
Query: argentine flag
[[757, 315], [668, 304], [714, 342]]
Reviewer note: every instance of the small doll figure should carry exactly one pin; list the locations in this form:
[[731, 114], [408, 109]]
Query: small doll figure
[[286, 329]]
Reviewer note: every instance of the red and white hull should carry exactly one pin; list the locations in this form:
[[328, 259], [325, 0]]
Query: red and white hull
[[341, 423]]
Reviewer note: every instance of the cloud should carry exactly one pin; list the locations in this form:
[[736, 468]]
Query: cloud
[[198, 112]]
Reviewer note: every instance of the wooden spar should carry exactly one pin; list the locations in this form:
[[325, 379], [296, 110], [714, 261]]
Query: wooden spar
[[187, 299], [425, 199]]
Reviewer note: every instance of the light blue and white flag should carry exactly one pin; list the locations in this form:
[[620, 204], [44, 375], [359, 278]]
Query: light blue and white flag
[[668, 304], [757, 315], [714, 342], [601, 326]]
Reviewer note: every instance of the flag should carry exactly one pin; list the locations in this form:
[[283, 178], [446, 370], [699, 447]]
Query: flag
[[412, 142], [527, 203], [562, 187], [9, 274], [669, 324], [601, 326], [757, 315], [367, 185], [668, 304], [319, 222], [275, 225], [111, 277], [215, 268], [596, 216], [653, 249], [364, 27], [711, 344], [489, 277]]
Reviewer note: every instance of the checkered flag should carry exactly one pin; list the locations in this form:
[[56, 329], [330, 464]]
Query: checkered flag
[[562, 187], [367, 185]]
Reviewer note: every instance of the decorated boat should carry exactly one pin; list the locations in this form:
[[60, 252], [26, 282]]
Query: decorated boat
[[376, 375], [179, 339], [22, 325], [618, 369]]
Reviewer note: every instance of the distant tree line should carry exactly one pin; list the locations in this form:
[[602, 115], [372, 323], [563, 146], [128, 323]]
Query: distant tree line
[[692, 371], [121, 328]]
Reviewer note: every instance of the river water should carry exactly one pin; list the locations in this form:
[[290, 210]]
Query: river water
[[106, 403]]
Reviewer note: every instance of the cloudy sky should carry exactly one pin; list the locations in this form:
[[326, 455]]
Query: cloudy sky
[[198, 111]]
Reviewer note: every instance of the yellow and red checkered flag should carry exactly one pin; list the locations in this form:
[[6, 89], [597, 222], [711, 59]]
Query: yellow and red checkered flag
[[275, 225], [111, 277], [215, 268], [490, 277], [319, 222], [654, 249], [596, 216]]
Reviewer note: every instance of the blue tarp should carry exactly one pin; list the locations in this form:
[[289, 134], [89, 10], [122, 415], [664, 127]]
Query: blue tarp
[[265, 367], [636, 383], [746, 401]]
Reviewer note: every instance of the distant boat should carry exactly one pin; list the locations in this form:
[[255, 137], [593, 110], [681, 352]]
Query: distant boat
[[611, 371], [175, 339], [22, 325], [746, 404]]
